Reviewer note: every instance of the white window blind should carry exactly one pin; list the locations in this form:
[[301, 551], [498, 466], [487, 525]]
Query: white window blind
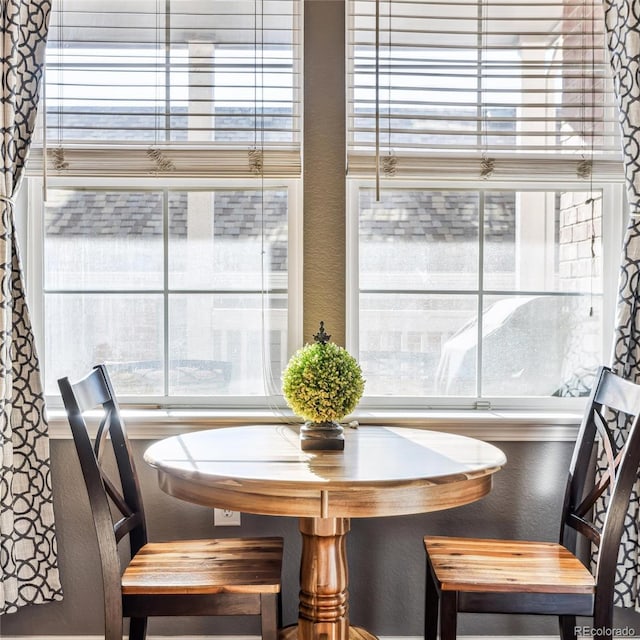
[[177, 87], [524, 85]]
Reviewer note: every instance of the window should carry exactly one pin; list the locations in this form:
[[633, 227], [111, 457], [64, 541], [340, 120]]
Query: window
[[168, 236], [483, 154], [489, 127], [181, 292], [469, 294]]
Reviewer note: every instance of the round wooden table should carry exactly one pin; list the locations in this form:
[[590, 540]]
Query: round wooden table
[[383, 471]]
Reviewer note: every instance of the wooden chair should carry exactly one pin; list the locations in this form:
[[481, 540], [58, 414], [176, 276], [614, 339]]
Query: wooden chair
[[231, 576], [515, 576]]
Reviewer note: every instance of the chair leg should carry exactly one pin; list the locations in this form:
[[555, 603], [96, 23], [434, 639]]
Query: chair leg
[[568, 628], [279, 610], [603, 618], [269, 616], [431, 607], [137, 629], [448, 615]]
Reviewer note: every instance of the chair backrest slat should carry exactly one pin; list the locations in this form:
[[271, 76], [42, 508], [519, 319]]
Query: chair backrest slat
[[116, 497], [88, 393], [619, 394], [584, 527], [104, 429], [126, 525], [608, 448]]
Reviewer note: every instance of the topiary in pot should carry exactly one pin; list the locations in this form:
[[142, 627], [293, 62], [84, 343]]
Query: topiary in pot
[[322, 384]]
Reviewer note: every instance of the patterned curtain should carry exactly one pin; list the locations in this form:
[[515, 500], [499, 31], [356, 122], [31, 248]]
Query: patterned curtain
[[622, 19], [28, 563]]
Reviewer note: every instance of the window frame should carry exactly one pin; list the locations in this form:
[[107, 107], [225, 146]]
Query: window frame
[[30, 207], [612, 233]]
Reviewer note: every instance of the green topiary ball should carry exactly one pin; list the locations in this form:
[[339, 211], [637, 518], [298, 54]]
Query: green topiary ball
[[322, 382]]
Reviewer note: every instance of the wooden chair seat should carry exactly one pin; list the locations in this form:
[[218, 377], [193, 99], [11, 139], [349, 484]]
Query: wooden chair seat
[[506, 566], [225, 565]]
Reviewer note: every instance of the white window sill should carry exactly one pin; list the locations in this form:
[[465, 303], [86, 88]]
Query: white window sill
[[491, 425]]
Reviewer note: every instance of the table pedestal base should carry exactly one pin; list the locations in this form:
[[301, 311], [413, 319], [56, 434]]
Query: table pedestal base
[[324, 599], [355, 633]]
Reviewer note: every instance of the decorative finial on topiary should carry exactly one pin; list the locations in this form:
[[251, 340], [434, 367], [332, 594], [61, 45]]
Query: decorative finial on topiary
[[322, 337]]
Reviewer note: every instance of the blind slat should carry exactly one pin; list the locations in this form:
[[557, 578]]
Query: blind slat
[[451, 168], [170, 162]]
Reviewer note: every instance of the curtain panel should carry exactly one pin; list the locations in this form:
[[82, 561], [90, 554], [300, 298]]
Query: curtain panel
[[622, 19], [28, 552]]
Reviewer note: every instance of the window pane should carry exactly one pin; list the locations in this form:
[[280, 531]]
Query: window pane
[[125, 283], [542, 241], [541, 318], [216, 344], [539, 345], [402, 341], [124, 331], [418, 239], [217, 240], [109, 240]]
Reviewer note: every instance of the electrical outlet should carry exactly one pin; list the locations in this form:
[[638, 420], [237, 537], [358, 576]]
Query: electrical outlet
[[226, 518]]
